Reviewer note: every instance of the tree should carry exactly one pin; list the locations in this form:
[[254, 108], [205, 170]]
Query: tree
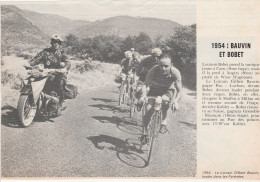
[[71, 40], [183, 53], [143, 43], [128, 43]]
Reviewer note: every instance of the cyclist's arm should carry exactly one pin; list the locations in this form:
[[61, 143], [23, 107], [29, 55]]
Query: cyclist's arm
[[66, 61], [139, 68], [177, 84], [121, 67], [149, 81], [178, 87], [119, 70]]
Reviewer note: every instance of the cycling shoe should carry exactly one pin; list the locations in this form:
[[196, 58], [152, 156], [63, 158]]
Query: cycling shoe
[[144, 139], [163, 129]]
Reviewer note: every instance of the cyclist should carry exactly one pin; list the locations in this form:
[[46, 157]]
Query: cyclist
[[162, 80], [127, 68], [147, 63], [142, 71]]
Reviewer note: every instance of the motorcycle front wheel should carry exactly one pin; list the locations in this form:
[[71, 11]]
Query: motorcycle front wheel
[[26, 110]]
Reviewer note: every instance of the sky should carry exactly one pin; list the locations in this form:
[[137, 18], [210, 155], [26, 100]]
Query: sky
[[182, 12]]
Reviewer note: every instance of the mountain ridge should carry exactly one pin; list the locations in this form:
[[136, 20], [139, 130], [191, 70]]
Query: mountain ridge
[[56, 24], [18, 33], [23, 29], [119, 25]]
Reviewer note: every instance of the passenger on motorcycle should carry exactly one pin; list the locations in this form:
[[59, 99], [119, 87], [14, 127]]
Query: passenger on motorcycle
[[54, 58], [162, 80], [142, 71]]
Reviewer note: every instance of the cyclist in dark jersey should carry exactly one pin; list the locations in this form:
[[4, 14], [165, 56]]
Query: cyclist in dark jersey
[[142, 70]]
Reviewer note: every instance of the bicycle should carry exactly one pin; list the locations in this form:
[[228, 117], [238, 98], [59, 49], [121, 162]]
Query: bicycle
[[126, 88], [122, 90], [132, 98], [154, 125]]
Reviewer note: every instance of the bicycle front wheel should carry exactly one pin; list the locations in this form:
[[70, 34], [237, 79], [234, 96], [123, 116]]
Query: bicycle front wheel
[[121, 94], [151, 134], [132, 103]]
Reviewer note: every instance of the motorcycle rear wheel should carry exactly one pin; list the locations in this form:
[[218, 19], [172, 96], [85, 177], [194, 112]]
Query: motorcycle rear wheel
[[26, 110]]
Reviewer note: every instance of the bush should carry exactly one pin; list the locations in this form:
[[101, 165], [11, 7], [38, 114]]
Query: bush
[[26, 55], [107, 48], [11, 79], [87, 66]]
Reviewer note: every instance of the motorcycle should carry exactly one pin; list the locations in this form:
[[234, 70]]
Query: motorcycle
[[36, 97]]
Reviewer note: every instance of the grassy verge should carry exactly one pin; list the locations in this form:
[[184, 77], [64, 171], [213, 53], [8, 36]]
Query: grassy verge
[[88, 75]]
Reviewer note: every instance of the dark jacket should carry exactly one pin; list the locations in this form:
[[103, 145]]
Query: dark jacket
[[144, 67], [51, 58]]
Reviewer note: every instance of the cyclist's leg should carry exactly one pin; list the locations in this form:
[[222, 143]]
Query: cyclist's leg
[[122, 77], [148, 116], [140, 94], [139, 85], [165, 109], [146, 120], [128, 84]]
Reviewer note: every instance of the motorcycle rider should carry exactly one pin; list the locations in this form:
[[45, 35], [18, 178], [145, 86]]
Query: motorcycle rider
[[54, 58], [162, 80]]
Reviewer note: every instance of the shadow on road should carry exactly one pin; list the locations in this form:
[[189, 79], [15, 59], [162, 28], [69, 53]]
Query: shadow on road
[[127, 151], [114, 120], [109, 108], [106, 119], [193, 94], [121, 123], [194, 126], [103, 100], [132, 128], [10, 117]]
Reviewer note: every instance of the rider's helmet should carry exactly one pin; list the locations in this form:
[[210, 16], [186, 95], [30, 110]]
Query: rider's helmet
[[56, 38], [132, 49], [157, 52], [128, 54]]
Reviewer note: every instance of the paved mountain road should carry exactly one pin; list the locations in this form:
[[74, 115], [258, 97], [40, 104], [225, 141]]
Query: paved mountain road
[[94, 137]]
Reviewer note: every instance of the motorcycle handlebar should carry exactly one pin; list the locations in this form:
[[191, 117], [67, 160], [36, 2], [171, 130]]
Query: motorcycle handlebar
[[45, 72], [55, 70]]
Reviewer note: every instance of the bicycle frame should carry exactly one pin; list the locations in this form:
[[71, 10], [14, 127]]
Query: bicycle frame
[[155, 122], [126, 88]]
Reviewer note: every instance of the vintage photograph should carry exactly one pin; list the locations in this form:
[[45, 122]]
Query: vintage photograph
[[98, 89]]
